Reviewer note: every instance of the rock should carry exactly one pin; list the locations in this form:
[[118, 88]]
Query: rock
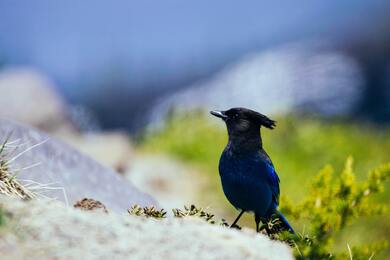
[[112, 149], [167, 179], [45, 229], [29, 97], [58, 171], [282, 79]]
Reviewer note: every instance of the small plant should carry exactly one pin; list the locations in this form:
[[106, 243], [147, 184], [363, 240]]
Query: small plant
[[9, 185], [147, 212], [191, 211], [333, 203], [273, 227], [198, 212]]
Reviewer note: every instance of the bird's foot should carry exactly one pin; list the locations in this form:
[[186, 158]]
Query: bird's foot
[[235, 226]]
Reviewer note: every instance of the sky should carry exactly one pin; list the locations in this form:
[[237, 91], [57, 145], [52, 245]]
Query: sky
[[73, 40]]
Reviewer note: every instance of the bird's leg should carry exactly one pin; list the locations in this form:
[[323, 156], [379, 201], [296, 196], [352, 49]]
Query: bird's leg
[[265, 224], [269, 233], [236, 220], [257, 220], [267, 229]]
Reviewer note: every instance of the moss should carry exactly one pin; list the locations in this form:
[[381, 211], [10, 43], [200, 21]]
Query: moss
[[187, 211], [151, 211]]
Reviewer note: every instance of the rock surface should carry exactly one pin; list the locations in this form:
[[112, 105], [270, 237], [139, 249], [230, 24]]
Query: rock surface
[[302, 76], [42, 229], [64, 173], [29, 97], [112, 149], [167, 179]]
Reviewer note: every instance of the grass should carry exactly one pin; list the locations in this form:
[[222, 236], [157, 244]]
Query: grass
[[9, 185], [299, 148]]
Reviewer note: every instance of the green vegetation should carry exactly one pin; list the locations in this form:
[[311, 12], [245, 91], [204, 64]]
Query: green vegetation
[[333, 202], [299, 148], [2, 217]]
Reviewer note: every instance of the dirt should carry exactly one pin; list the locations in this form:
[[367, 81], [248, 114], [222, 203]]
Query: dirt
[[90, 204]]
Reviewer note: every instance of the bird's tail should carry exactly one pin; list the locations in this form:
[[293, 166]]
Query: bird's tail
[[285, 223]]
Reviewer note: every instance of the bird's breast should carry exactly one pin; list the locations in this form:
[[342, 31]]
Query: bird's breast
[[244, 184], [241, 167]]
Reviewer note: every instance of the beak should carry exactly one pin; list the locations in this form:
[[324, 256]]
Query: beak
[[220, 114]]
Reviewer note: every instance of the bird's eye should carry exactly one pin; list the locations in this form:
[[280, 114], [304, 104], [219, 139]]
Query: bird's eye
[[235, 116]]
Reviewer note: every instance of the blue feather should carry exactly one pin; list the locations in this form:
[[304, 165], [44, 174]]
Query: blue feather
[[248, 177], [273, 180], [285, 222]]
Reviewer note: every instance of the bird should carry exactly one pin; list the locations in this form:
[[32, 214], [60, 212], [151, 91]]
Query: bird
[[248, 176]]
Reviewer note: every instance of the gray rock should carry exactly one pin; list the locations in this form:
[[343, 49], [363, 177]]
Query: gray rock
[[30, 98], [63, 173], [47, 230], [112, 149], [169, 180], [302, 76]]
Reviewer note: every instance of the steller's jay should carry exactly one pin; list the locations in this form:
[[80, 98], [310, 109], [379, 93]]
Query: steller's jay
[[248, 177]]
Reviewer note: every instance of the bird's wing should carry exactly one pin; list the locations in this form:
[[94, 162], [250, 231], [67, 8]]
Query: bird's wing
[[271, 176], [273, 180]]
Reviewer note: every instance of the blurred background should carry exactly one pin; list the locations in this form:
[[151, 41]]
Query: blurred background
[[130, 83]]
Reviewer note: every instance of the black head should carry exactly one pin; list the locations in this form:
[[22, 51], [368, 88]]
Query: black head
[[242, 120]]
